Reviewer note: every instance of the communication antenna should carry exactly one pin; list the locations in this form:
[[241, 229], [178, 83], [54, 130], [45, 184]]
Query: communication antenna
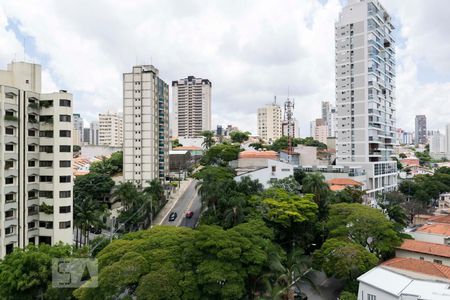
[[275, 99], [289, 121]]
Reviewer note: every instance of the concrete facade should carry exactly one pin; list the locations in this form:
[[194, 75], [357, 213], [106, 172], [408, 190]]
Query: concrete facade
[[36, 158], [365, 98], [110, 131], [146, 125], [420, 132], [192, 106], [270, 118]]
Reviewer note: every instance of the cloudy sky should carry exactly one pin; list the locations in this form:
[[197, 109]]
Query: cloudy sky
[[250, 50]]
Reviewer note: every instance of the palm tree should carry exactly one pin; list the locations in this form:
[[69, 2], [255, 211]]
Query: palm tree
[[233, 214], [126, 193], [209, 138], [293, 270], [87, 213], [156, 191], [315, 184]]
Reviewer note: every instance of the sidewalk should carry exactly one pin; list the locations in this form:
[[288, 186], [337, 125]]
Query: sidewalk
[[172, 200]]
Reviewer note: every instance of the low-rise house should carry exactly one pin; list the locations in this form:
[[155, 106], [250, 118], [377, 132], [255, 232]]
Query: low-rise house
[[421, 219], [405, 279], [444, 203], [338, 184], [426, 251], [195, 151], [179, 160], [274, 170], [437, 233], [410, 162], [252, 159]]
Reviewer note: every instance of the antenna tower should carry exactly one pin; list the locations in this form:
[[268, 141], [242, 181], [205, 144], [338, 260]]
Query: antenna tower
[[289, 119]]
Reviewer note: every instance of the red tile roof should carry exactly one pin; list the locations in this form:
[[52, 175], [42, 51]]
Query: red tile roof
[[188, 148], [419, 266], [344, 181], [336, 188], [258, 154], [425, 247], [440, 219], [436, 228]]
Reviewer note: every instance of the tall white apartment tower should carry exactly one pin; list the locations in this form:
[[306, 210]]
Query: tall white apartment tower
[[192, 106], [270, 122], [365, 99], [35, 160], [110, 130], [146, 125]]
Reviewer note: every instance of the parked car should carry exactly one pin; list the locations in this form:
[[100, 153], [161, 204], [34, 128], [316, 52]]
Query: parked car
[[95, 230], [189, 214], [173, 215]]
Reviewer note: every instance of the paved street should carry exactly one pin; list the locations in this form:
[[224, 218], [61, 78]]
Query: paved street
[[188, 200]]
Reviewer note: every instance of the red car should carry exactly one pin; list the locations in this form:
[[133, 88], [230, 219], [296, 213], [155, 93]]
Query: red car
[[189, 214]]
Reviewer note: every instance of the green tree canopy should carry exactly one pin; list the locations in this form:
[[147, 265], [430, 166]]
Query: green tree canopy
[[365, 226], [239, 136], [220, 154], [208, 141]]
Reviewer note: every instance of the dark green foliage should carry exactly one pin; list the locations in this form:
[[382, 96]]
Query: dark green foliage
[[108, 166], [282, 143], [239, 136], [220, 154]]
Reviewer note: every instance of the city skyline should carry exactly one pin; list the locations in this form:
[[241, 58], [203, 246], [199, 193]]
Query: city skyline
[[302, 41]]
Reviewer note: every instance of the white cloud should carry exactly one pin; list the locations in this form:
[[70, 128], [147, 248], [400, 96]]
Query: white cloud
[[250, 50]]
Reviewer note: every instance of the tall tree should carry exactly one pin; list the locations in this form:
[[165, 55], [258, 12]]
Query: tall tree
[[239, 136], [208, 138], [314, 183]]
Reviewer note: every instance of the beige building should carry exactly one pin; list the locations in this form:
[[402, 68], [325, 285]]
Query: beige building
[[110, 129], [320, 130], [146, 125], [192, 106], [270, 120], [36, 158]]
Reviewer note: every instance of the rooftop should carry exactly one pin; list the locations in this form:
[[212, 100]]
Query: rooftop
[[258, 154], [440, 219], [436, 228], [425, 247], [344, 182], [419, 266], [188, 148]]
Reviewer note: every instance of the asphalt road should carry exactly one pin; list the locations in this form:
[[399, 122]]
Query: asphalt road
[[188, 201]]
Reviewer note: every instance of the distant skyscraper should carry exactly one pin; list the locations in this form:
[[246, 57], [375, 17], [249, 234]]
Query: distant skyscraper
[[192, 106], [86, 135], [320, 131], [94, 129], [270, 119], [78, 124], [36, 159], [219, 130], [421, 130], [437, 142], [365, 76], [329, 115], [146, 125], [110, 131]]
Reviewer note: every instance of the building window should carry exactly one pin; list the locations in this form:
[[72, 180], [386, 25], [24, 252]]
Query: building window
[[64, 179], [371, 297], [31, 225], [9, 230], [31, 148], [64, 118], [64, 164], [9, 147], [31, 163], [64, 148], [46, 224], [46, 149], [32, 194], [45, 163], [46, 133], [65, 194], [437, 261], [64, 225], [64, 133], [45, 178], [9, 197], [31, 132], [9, 180], [64, 102], [31, 178], [64, 209], [9, 130], [9, 214], [9, 164], [46, 194]]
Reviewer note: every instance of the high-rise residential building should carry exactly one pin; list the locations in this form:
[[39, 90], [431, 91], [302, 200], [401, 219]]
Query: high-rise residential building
[[320, 131], [219, 130], [87, 135], [437, 142], [365, 98], [94, 129], [447, 138], [420, 137], [36, 160], [146, 125], [78, 124], [270, 118], [191, 106], [329, 115], [110, 132]]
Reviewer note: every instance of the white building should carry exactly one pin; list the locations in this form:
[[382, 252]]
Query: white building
[[36, 158], [110, 130], [146, 125], [270, 118], [447, 134], [320, 131], [329, 115], [365, 101], [95, 127], [383, 283], [191, 106], [275, 170], [437, 142]]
